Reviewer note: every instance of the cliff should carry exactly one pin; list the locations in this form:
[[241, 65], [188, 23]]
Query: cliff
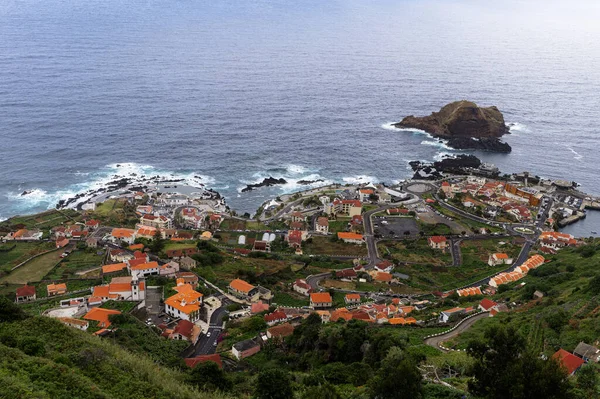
[[459, 119]]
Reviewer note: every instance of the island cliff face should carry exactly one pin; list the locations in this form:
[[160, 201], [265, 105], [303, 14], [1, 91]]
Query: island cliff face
[[465, 125]]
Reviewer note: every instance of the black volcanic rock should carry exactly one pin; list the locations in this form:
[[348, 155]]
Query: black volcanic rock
[[267, 182], [459, 164], [490, 144], [306, 182]]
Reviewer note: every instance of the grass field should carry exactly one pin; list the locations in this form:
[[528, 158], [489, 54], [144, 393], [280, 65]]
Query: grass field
[[414, 251], [341, 224], [21, 252], [179, 244], [324, 246], [116, 212], [41, 221], [76, 261], [477, 252], [34, 270], [289, 299]]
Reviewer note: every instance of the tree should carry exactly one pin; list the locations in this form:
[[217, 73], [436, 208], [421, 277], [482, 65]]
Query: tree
[[397, 378], [325, 391], [273, 384], [157, 243], [207, 376], [587, 380], [10, 311], [505, 369]]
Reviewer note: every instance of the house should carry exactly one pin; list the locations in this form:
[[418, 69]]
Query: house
[[169, 269], [384, 266], [446, 189], [185, 304], [383, 277], [243, 290], [280, 331], [325, 315], [499, 259], [587, 352], [25, 293], [320, 300], [24, 234], [297, 217], [136, 247], [187, 278], [346, 274], [364, 194], [568, 361], [125, 235], [92, 242], [261, 246], [446, 315], [192, 362], [397, 211], [185, 330], [351, 207], [302, 287], [351, 238], [187, 263], [351, 299], [437, 242], [275, 317], [244, 349], [62, 242], [144, 269], [114, 268], [119, 255], [75, 323], [146, 232], [214, 221], [178, 253], [486, 305], [121, 289], [56, 289], [322, 225], [294, 238], [101, 316], [356, 224], [259, 307], [92, 224], [144, 209]]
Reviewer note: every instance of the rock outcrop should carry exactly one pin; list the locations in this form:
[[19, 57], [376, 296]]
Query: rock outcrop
[[269, 181], [461, 121]]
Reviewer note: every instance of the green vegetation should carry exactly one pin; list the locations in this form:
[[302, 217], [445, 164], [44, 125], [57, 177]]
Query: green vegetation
[[327, 246], [476, 252], [414, 251], [41, 358], [77, 261], [33, 270], [116, 212], [13, 253], [41, 221], [437, 229]]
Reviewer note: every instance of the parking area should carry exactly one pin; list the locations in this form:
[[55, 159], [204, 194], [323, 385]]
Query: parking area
[[394, 227], [153, 297]]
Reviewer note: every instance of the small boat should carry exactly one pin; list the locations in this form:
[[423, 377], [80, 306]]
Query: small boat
[[594, 232]]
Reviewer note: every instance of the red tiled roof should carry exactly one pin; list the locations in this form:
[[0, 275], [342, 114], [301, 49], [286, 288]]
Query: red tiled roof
[[26, 290], [320, 297], [194, 361], [184, 327], [275, 316], [569, 361], [437, 239], [487, 304]]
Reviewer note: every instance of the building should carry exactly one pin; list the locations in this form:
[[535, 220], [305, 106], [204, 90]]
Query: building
[[185, 304], [121, 289], [302, 287], [187, 278], [24, 234], [157, 221], [125, 235], [92, 242], [243, 290], [487, 305], [169, 269], [499, 259], [192, 362], [187, 263], [322, 225], [75, 323], [62, 242], [470, 291], [437, 242], [294, 238], [446, 315], [244, 349], [56, 289], [185, 330], [144, 269], [587, 352], [346, 274], [275, 317], [101, 316], [297, 217], [384, 266], [114, 268], [280, 331], [259, 307], [569, 362], [364, 194], [261, 246], [351, 238], [320, 300], [352, 299], [25, 293]]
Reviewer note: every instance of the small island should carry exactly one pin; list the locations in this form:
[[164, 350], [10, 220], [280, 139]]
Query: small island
[[464, 125]]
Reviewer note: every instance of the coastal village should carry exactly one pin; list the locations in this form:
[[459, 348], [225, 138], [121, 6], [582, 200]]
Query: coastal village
[[420, 255]]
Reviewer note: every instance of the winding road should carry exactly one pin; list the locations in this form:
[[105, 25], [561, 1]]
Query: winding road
[[462, 327]]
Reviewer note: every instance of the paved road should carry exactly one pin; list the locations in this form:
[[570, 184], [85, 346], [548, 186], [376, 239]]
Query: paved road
[[436, 341], [207, 344], [456, 255]]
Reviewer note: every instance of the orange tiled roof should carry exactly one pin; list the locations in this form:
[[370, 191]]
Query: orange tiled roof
[[320, 297], [122, 233], [100, 315], [241, 285], [115, 267], [342, 235], [56, 287], [353, 297], [145, 266]]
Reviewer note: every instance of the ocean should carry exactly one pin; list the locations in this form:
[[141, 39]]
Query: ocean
[[230, 92]]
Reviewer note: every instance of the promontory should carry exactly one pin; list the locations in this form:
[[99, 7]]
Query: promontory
[[465, 125]]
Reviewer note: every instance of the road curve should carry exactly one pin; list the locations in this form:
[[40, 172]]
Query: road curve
[[462, 327]]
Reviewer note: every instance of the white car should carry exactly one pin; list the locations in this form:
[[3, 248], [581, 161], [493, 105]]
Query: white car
[[208, 334]]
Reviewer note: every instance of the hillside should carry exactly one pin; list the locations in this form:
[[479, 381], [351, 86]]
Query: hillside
[[41, 358]]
